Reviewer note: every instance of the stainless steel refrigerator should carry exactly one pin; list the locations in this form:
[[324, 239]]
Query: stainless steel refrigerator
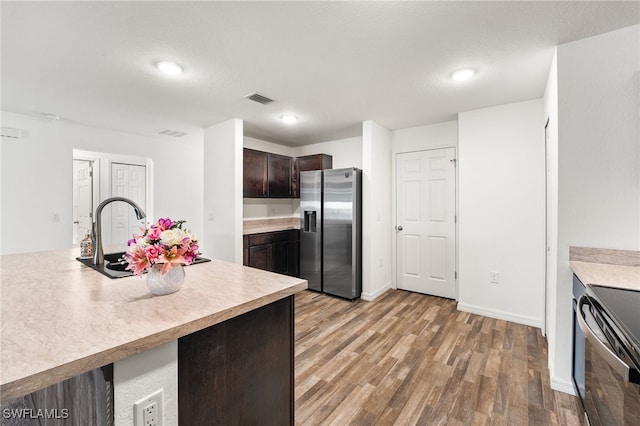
[[331, 231]]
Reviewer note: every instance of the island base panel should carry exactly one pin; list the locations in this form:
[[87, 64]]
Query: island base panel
[[239, 371], [83, 400]]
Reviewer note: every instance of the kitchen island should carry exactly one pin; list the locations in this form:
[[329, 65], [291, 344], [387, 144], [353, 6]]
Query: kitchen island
[[61, 319]]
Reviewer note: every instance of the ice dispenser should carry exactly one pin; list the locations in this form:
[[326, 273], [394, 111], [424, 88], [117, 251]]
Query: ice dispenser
[[310, 221]]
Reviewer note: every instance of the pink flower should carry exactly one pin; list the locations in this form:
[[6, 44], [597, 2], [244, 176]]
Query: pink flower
[[152, 252], [137, 259], [154, 233], [173, 256], [165, 223]]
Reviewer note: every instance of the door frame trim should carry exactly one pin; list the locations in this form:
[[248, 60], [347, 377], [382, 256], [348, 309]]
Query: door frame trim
[[102, 175], [394, 207]]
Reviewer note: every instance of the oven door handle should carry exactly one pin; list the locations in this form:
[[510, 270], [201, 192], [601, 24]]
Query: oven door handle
[[618, 365]]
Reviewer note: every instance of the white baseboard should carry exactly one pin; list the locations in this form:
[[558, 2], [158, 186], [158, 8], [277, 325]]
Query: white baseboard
[[562, 386], [375, 294], [494, 313]]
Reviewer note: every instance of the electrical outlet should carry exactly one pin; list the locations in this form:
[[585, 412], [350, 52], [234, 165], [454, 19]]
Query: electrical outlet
[[148, 411], [494, 277]]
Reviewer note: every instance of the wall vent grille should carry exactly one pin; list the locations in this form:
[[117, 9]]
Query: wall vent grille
[[172, 133], [257, 97], [8, 132]]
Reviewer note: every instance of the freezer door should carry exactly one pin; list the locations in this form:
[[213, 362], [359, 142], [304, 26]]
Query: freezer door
[[311, 228], [342, 234]]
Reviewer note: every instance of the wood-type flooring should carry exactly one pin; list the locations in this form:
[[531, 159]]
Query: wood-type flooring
[[411, 359]]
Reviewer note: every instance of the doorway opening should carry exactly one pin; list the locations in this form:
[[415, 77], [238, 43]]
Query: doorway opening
[[98, 176]]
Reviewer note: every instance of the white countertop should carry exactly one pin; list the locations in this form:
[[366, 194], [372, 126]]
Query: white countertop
[[612, 268], [258, 226]]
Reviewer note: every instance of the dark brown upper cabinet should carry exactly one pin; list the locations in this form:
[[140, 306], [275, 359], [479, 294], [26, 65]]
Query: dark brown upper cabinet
[[254, 182], [307, 163], [279, 172]]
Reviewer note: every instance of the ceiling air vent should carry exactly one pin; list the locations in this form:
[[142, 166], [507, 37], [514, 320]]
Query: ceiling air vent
[[172, 133], [257, 97]]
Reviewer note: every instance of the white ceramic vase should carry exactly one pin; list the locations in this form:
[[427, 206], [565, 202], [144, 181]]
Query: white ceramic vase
[[165, 284]]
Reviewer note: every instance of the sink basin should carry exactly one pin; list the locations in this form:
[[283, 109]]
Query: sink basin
[[113, 267]]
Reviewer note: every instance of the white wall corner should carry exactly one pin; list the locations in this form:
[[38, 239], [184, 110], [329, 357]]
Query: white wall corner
[[501, 315], [376, 207], [501, 151], [561, 385], [222, 176], [369, 297]]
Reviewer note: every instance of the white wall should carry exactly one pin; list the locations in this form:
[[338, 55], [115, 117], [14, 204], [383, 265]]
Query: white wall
[[223, 190], [434, 136], [344, 152], [37, 178], [376, 210], [261, 145], [551, 114], [143, 374], [501, 214], [598, 160]]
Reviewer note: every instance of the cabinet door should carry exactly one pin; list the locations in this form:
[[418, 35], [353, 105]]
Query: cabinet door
[[279, 175], [280, 252], [307, 163], [245, 250], [294, 253], [314, 162], [260, 257], [254, 182]]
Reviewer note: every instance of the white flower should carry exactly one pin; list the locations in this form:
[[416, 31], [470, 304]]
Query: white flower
[[172, 237]]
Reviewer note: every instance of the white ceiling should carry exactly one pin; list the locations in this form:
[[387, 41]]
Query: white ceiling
[[333, 64]]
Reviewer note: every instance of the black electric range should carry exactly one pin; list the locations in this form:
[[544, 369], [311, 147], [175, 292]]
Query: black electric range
[[623, 307]]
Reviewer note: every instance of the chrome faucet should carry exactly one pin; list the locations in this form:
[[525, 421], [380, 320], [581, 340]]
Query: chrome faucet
[[98, 255]]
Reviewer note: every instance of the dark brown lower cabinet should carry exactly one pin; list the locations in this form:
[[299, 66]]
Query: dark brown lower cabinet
[[273, 251], [239, 372]]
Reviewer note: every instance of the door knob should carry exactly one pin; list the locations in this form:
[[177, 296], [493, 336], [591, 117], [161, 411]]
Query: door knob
[[399, 228]]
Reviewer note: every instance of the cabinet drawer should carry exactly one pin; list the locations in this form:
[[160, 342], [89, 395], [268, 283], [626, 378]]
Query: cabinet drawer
[[268, 238]]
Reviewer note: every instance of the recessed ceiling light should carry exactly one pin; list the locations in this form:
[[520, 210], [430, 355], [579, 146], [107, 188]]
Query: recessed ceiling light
[[463, 74], [170, 68], [289, 118]]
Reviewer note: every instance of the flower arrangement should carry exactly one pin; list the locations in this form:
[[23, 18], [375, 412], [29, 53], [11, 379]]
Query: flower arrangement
[[166, 242]]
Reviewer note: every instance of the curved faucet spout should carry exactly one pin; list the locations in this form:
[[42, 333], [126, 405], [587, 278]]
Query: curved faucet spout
[[98, 255]]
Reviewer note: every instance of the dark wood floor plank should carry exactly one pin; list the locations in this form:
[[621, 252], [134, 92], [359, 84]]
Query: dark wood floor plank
[[411, 359]]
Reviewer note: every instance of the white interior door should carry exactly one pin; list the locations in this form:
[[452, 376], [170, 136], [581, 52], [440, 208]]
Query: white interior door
[[129, 181], [82, 199], [425, 228]]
